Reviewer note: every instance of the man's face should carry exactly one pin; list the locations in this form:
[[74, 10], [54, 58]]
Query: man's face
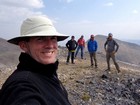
[[92, 37], [110, 37], [42, 49], [72, 38]]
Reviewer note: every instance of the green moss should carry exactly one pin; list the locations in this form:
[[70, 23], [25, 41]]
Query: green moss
[[86, 97]]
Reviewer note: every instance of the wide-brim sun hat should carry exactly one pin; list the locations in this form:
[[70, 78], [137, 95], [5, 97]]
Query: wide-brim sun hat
[[37, 26]]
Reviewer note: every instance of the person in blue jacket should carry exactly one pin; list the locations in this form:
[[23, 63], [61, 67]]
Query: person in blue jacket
[[92, 48]]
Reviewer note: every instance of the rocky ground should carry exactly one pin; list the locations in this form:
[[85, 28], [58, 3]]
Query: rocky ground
[[94, 86]]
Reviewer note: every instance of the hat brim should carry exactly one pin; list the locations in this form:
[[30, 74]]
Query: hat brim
[[16, 40]]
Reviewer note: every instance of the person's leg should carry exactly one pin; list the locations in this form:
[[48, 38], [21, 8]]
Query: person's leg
[[91, 58], [82, 49], [77, 50], [95, 60], [115, 63], [72, 57], [108, 60], [68, 57]]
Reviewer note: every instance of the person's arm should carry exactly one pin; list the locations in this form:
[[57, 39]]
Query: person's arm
[[20, 93], [78, 41], [88, 45], [105, 46], [67, 44], [76, 44], [84, 42], [117, 46], [96, 45]]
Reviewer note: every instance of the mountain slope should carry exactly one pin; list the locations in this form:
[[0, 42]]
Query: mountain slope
[[8, 54]]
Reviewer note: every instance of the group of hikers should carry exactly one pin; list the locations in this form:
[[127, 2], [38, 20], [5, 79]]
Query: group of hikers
[[110, 46]]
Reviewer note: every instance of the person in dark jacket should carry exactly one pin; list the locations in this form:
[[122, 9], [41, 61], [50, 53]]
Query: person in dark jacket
[[92, 48], [111, 47], [35, 81], [71, 45]]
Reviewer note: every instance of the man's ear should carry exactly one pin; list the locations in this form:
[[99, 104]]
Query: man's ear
[[23, 45]]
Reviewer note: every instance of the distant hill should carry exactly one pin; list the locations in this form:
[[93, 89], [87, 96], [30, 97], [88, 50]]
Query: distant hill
[[128, 52], [8, 54], [134, 41]]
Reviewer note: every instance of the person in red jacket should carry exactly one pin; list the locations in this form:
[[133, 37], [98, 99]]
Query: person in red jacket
[[35, 81], [81, 45]]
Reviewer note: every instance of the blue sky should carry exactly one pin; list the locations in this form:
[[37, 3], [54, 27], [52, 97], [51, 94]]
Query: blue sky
[[75, 17]]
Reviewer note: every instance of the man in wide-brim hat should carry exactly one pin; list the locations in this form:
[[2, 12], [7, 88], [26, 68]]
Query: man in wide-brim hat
[[35, 80]]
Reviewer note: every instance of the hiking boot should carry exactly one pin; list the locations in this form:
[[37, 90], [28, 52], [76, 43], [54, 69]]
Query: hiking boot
[[108, 70], [96, 66], [104, 77], [119, 71]]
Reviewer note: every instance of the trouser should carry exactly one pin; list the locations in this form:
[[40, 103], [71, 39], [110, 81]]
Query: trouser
[[93, 56], [70, 54], [111, 55], [82, 49]]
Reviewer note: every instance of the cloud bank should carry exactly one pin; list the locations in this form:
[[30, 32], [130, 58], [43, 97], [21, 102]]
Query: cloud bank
[[13, 11]]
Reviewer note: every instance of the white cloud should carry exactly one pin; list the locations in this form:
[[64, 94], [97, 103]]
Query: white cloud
[[68, 1], [81, 22], [23, 3], [10, 9], [135, 12], [109, 4], [12, 12]]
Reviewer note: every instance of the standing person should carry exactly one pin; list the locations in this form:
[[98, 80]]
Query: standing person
[[71, 45], [92, 48], [35, 81], [111, 47], [81, 45]]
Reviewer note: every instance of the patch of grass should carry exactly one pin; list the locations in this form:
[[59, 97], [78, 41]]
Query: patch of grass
[[85, 97]]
